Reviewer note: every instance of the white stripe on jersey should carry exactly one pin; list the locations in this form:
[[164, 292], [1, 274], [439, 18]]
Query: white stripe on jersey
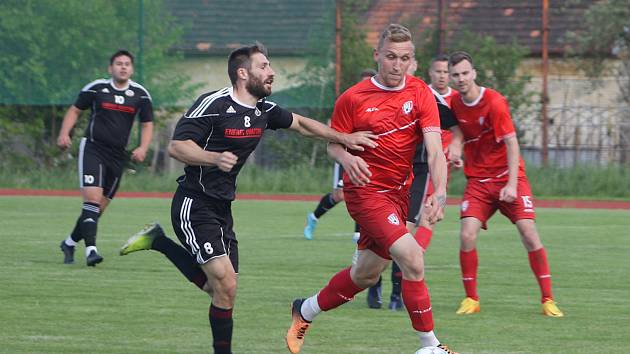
[[273, 104], [206, 102], [400, 128], [137, 85], [87, 87]]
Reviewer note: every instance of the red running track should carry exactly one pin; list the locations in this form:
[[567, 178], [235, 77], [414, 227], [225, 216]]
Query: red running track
[[542, 203]]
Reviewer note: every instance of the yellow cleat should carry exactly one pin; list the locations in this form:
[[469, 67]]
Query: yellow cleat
[[297, 331], [549, 308], [468, 306]]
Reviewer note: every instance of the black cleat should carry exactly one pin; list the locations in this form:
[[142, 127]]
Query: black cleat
[[375, 296], [93, 259], [68, 253]]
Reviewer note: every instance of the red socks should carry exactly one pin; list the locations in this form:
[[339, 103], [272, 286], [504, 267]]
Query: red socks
[[418, 303], [423, 237], [540, 267], [340, 289], [468, 262]]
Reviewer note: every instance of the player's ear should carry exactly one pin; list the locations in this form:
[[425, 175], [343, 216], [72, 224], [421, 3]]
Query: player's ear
[[242, 73], [474, 72], [375, 55], [109, 69]]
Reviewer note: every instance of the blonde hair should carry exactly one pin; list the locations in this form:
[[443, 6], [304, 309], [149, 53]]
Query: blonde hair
[[394, 33]]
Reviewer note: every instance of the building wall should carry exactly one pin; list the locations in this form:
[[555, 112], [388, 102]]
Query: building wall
[[211, 72]]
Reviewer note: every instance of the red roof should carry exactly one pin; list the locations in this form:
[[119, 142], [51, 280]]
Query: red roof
[[505, 20]]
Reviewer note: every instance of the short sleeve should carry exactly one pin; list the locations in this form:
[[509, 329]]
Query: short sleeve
[[85, 99], [501, 119], [428, 115], [196, 124], [279, 118], [146, 110], [342, 115]]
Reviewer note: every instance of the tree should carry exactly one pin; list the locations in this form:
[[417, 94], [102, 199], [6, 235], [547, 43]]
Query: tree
[[52, 48], [605, 35], [496, 64], [314, 94]]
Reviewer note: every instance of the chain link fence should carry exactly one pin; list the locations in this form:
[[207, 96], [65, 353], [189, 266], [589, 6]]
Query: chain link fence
[[578, 135]]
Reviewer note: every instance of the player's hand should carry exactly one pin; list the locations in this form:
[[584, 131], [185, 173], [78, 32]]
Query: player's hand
[[358, 140], [508, 193], [434, 207], [455, 157], [139, 154], [64, 141], [357, 169], [225, 161]]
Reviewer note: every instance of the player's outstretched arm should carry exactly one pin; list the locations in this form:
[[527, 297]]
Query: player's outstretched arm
[[146, 134], [356, 168], [310, 127], [188, 152], [437, 170], [69, 120]]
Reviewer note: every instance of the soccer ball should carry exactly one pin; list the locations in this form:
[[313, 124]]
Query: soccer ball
[[430, 350]]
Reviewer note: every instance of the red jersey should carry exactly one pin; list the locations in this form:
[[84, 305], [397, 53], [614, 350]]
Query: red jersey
[[447, 136], [398, 116], [485, 123]]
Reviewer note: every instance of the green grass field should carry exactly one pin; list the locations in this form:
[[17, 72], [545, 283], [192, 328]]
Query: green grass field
[[141, 304]]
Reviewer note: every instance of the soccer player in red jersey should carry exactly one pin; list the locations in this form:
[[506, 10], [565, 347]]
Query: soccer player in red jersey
[[496, 180], [401, 110]]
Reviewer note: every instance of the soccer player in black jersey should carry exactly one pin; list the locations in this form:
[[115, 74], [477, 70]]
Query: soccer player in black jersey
[[214, 139], [114, 103]]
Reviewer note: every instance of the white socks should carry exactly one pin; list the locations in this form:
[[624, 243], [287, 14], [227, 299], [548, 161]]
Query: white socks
[[89, 249], [428, 339], [70, 242], [310, 308]]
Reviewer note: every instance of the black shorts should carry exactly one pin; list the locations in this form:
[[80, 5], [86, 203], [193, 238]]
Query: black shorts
[[337, 176], [97, 168], [204, 226], [419, 189]]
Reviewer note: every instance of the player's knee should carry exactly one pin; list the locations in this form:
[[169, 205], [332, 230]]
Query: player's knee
[[468, 236], [412, 265], [338, 195], [364, 279], [225, 289]]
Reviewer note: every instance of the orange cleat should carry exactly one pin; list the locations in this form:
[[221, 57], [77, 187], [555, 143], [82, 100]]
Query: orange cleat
[[297, 331]]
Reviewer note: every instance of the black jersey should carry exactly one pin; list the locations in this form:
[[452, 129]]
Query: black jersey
[[113, 112], [447, 120], [218, 122]]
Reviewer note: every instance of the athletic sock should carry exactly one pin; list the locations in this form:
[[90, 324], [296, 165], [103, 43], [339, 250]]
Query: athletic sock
[[310, 308], [340, 289], [423, 236], [181, 259], [70, 242], [326, 203], [540, 267], [89, 250], [396, 279], [468, 261], [428, 339], [89, 222], [418, 303], [221, 324]]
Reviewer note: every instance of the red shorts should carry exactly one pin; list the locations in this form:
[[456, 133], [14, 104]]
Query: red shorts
[[481, 201], [381, 217]]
